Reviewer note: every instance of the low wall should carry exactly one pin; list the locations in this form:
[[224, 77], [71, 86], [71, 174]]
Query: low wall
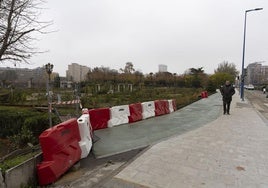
[[2, 183], [22, 174]]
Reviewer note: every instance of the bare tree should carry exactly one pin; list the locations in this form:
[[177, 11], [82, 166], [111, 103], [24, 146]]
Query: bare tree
[[226, 67], [129, 68], [19, 21], [197, 71]]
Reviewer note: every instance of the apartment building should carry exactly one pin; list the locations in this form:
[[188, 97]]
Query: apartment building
[[76, 72], [256, 74]]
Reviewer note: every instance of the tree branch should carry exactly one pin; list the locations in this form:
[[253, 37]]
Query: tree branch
[[18, 19]]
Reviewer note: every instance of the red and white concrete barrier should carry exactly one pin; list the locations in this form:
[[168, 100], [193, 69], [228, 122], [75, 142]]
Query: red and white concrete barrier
[[161, 107], [85, 131], [60, 147], [118, 115], [135, 112], [99, 118], [148, 109], [66, 143]]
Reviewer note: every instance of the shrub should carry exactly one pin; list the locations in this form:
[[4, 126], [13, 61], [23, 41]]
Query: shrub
[[22, 138], [37, 124]]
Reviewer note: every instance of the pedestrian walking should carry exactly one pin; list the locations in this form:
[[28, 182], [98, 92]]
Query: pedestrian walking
[[227, 91]]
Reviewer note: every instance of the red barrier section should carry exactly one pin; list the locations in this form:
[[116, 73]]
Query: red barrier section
[[60, 147], [204, 94], [135, 112], [99, 118], [166, 106], [161, 107]]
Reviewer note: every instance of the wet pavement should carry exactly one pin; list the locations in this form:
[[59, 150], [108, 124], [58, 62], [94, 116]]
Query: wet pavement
[[140, 134]]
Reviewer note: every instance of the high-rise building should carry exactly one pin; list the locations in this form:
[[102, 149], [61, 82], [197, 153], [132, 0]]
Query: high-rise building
[[76, 72], [162, 68], [264, 74], [256, 74]]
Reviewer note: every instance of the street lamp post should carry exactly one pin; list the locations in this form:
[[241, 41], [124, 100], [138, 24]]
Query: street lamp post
[[49, 69], [243, 56]]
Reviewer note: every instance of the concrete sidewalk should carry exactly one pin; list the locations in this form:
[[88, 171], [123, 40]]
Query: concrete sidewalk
[[231, 151]]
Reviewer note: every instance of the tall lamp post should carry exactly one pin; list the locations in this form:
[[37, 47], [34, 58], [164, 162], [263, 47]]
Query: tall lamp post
[[49, 69], [243, 57]]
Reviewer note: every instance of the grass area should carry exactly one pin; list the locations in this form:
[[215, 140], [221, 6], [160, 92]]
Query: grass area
[[183, 97], [9, 163]]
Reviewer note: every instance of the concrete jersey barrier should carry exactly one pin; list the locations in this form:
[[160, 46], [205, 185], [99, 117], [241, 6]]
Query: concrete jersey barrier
[[148, 109], [60, 146], [119, 115], [135, 112], [85, 134]]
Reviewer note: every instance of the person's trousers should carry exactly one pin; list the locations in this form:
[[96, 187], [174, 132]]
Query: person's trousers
[[226, 107]]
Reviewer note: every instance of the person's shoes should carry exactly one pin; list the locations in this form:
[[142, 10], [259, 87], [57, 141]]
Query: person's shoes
[[228, 113]]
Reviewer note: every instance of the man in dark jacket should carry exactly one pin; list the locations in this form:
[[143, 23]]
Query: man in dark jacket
[[227, 91]]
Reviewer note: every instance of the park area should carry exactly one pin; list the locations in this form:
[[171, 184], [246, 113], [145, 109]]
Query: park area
[[24, 120]]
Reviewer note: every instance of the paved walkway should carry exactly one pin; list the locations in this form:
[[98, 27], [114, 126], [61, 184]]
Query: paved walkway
[[231, 151], [147, 132]]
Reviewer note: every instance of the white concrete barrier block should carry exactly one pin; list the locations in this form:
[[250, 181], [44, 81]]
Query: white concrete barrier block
[[85, 134], [148, 109], [118, 115], [170, 105]]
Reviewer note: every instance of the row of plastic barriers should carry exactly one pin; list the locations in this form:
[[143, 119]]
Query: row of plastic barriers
[[102, 118], [66, 143]]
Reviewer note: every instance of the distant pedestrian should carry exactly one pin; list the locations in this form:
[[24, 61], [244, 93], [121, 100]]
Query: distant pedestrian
[[227, 91], [264, 90]]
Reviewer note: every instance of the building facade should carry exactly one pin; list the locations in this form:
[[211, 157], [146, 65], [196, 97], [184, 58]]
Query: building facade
[[162, 68], [76, 72], [23, 77], [256, 74]]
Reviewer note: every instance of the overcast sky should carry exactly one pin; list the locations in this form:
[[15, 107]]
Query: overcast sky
[[181, 34]]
